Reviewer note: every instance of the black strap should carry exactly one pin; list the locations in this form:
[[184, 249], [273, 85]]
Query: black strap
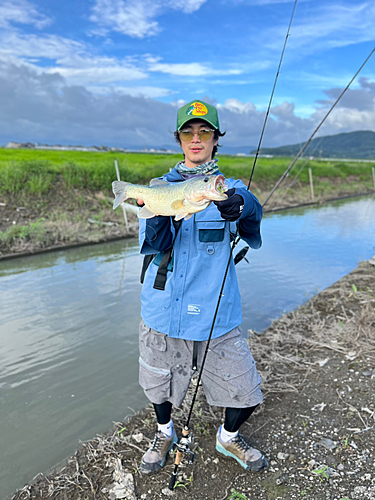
[[161, 275], [195, 355], [147, 259]]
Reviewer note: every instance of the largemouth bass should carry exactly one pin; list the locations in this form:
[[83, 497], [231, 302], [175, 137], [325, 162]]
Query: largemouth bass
[[181, 199]]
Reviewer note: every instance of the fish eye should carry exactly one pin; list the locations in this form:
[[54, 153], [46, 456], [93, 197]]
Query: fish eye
[[205, 179]]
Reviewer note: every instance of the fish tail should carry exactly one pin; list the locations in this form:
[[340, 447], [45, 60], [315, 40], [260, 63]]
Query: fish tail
[[119, 190]]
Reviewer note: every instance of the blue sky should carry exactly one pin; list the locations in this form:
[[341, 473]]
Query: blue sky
[[114, 72]]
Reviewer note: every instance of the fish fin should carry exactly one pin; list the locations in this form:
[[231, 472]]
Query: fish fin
[[182, 216], [119, 190], [187, 217], [177, 205], [146, 213], [158, 182]]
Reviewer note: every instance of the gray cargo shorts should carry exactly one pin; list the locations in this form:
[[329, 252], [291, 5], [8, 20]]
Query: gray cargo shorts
[[229, 378]]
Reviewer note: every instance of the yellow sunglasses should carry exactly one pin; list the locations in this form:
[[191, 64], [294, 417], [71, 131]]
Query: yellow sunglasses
[[204, 135]]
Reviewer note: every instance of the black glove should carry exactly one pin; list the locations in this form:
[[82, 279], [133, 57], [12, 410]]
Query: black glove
[[231, 208]]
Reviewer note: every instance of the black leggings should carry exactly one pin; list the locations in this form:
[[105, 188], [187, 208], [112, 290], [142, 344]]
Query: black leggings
[[163, 412], [234, 417]]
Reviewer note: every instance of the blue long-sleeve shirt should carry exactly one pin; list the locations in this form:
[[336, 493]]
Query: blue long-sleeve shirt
[[185, 309]]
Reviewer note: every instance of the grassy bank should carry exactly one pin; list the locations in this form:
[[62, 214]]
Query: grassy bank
[[47, 197]]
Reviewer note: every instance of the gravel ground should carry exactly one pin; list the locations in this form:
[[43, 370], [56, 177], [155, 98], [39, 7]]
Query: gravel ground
[[316, 424]]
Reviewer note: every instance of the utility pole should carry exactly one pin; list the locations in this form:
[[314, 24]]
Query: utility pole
[[311, 184], [122, 205]]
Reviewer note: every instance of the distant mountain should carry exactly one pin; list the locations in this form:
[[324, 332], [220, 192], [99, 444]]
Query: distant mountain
[[360, 145]]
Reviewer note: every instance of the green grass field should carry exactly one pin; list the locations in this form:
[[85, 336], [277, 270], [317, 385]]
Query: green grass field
[[34, 172]]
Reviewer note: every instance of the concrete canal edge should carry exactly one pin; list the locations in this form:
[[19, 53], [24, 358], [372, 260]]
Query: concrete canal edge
[[312, 360]]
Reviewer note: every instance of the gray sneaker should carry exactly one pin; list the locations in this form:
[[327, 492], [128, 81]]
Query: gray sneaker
[[240, 450], [154, 458]]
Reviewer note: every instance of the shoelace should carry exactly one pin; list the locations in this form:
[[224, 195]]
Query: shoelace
[[158, 441], [241, 443]]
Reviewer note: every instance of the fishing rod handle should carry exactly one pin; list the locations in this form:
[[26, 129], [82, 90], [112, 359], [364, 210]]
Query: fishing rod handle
[[177, 461], [172, 481], [178, 458]]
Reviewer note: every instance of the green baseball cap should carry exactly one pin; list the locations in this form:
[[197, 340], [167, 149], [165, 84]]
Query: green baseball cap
[[197, 109]]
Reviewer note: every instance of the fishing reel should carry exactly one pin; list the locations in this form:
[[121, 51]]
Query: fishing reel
[[241, 255], [184, 445]]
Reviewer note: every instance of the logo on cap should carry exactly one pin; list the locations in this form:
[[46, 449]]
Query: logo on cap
[[197, 109]]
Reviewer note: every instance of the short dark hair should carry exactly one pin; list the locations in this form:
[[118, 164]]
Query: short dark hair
[[217, 135]]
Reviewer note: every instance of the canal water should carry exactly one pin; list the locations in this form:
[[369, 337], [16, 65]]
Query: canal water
[[69, 323]]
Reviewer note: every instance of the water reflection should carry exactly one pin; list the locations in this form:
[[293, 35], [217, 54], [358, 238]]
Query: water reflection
[[69, 323], [69, 353]]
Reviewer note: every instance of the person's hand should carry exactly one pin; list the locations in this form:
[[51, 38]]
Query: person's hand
[[231, 208]]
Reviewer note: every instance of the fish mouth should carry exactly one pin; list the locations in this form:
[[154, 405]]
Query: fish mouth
[[221, 187]]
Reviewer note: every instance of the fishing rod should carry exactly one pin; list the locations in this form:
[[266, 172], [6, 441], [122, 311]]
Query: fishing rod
[[186, 442]]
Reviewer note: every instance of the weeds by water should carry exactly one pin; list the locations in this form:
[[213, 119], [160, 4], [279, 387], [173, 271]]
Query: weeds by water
[[34, 231]]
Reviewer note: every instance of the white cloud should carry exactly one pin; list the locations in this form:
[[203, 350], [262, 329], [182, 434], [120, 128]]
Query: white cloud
[[319, 81], [188, 69], [43, 46], [236, 106], [355, 111], [135, 18], [71, 59], [322, 27], [187, 6], [259, 2], [22, 12], [99, 70], [137, 91], [130, 17]]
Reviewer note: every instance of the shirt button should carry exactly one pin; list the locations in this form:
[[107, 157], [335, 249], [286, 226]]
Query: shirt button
[[187, 229], [184, 252], [176, 300], [181, 275]]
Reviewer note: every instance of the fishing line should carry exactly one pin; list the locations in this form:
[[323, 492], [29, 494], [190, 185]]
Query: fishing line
[[272, 93], [316, 130], [295, 179], [185, 443]]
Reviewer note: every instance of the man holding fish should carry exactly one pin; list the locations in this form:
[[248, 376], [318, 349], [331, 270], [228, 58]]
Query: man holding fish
[[187, 221]]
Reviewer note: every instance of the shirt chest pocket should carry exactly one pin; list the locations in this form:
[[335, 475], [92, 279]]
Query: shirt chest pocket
[[212, 235], [211, 231]]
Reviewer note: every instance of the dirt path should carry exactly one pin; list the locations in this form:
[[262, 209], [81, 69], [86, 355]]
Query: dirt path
[[316, 424]]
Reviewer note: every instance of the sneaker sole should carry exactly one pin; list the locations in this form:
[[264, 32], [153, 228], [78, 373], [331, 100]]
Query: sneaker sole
[[263, 465]]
